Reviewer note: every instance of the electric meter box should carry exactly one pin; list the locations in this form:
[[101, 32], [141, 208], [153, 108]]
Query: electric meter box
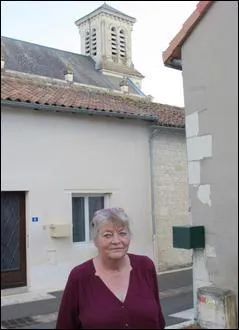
[[216, 308], [59, 230]]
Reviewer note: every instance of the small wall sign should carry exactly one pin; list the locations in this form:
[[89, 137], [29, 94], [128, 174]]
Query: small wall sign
[[35, 219]]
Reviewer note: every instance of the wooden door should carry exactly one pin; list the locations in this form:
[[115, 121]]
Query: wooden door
[[13, 239]]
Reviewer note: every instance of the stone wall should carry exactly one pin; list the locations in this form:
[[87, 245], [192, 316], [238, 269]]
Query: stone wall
[[170, 195]]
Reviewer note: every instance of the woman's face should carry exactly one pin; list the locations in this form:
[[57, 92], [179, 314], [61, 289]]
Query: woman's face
[[112, 241]]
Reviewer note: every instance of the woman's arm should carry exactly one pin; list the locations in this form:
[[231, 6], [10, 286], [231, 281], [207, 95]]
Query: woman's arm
[[156, 294], [68, 313]]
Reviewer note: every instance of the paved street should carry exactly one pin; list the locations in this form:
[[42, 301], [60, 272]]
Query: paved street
[[175, 292], [176, 295]]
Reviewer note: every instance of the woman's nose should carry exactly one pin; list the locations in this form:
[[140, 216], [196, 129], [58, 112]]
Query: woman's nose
[[115, 238]]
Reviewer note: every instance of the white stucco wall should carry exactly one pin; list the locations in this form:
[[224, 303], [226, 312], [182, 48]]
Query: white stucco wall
[[210, 78], [51, 156]]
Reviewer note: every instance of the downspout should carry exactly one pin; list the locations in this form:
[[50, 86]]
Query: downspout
[[154, 237]]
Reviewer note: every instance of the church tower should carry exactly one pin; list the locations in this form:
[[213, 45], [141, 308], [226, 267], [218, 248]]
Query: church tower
[[106, 37]]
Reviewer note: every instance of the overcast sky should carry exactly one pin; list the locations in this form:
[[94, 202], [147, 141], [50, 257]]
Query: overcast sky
[[51, 23]]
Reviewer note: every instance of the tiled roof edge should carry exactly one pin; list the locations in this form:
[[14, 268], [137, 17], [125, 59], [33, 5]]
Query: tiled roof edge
[[79, 110], [174, 49]]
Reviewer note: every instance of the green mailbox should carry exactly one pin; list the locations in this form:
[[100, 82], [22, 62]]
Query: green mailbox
[[188, 237]]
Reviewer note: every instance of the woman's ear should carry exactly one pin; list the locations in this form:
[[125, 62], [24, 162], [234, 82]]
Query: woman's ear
[[95, 241]]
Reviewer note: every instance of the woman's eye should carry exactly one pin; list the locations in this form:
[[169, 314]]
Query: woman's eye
[[107, 235], [123, 233]]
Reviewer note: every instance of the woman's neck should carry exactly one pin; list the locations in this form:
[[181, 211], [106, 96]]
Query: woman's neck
[[112, 265]]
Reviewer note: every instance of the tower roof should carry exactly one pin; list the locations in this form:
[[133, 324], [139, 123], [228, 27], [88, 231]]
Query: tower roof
[[105, 6], [105, 9]]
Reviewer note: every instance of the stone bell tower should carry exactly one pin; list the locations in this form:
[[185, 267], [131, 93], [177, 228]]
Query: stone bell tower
[[106, 37]]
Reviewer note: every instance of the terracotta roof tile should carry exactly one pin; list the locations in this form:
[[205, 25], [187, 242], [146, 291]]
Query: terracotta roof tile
[[44, 91], [174, 48]]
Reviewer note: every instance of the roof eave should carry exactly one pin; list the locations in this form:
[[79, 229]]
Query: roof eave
[[173, 52], [174, 63], [78, 110]]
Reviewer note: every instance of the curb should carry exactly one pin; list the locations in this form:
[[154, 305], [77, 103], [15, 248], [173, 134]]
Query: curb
[[174, 292], [181, 325], [175, 270]]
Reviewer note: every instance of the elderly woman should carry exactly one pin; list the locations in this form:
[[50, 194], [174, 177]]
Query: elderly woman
[[114, 290]]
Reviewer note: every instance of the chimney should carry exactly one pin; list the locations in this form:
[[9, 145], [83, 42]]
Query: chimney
[[149, 98], [68, 73], [124, 85]]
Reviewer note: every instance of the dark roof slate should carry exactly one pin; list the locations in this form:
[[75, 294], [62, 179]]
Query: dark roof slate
[[44, 61]]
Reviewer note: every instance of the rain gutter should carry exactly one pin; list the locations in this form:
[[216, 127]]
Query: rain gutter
[[78, 110]]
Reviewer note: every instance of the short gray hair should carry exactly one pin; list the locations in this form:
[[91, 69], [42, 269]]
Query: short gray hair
[[116, 215]]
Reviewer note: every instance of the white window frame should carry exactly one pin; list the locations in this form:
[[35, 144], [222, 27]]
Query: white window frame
[[87, 220]]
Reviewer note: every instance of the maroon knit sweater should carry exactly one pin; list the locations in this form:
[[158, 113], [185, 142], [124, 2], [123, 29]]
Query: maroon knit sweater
[[87, 303]]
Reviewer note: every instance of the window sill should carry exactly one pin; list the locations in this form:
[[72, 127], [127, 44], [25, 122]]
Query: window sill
[[83, 244]]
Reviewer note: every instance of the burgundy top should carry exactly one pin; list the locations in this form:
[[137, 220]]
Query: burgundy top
[[87, 303]]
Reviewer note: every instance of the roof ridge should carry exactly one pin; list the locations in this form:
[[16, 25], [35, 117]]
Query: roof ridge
[[55, 83], [48, 47], [42, 81], [49, 82]]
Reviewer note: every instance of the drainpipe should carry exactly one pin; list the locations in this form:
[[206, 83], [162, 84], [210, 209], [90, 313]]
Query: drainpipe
[[154, 238]]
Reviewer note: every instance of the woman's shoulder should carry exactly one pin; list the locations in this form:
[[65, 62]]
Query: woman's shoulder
[[138, 260], [82, 270]]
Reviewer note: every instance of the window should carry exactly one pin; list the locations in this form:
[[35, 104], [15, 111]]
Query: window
[[118, 44], [122, 43], [83, 208], [114, 41], [93, 42], [87, 43]]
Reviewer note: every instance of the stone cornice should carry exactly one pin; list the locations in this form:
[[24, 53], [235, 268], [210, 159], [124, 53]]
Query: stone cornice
[[96, 12]]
